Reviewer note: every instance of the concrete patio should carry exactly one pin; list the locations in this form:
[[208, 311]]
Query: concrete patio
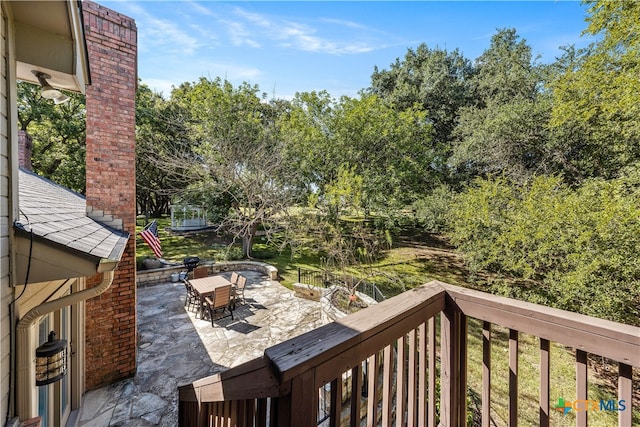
[[176, 348]]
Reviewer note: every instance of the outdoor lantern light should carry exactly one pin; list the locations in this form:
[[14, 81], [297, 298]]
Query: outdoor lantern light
[[47, 91], [51, 360]]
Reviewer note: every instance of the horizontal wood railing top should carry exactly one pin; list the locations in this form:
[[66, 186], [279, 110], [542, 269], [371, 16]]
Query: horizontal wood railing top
[[616, 341], [254, 379], [339, 338]]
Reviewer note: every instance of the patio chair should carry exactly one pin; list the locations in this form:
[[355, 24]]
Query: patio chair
[[192, 297], [221, 302], [234, 278], [238, 289], [200, 272]]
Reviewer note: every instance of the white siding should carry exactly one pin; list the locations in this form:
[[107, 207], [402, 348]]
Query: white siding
[[5, 183]]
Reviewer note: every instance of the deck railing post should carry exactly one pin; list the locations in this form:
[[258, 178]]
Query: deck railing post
[[513, 377], [545, 347], [431, 412], [486, 374], [625, 392], [373, 394], [453, 366], [581, 385], [356, 393], [299, 408], [387, 387]]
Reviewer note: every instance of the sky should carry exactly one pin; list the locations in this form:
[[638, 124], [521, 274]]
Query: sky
[[288, 47]]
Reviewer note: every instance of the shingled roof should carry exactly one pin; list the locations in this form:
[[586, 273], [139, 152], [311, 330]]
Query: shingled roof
[[59, 216]]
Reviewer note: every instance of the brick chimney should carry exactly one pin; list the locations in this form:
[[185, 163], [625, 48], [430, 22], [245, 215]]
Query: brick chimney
[[111, 187], [25, 145]]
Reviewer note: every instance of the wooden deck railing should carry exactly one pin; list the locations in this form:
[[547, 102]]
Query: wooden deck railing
[[378, 366]]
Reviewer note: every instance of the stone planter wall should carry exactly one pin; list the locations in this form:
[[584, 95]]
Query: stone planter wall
[[219, 267], [163, 275], [158, 275], [313, 293], [330, 313]]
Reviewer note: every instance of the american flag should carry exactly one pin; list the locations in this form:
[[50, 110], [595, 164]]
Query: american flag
[[150, 235]]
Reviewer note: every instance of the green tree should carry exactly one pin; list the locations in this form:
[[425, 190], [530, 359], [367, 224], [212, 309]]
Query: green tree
[[57, 133], [237, 156], [506, 130], [598, 94], [435, 79], [334, 226], [574, 249], [388, 148], [510, 139], [161, 132], [308, 130], [506, 70]]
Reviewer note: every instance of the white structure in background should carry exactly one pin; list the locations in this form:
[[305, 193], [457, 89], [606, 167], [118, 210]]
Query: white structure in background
[[188, 217]]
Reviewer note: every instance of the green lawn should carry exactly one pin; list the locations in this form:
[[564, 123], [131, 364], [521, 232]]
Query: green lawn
[[413, 265], [177, 246]]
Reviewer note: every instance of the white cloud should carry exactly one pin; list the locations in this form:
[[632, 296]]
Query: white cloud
[[159, 35], [293, 35], [161, 86], [231, 72], [177, 73], [240, 27], [304, 39], [167, 34], [254, 18], [344, 23], [238, 34], [207, 38], [199, 8]]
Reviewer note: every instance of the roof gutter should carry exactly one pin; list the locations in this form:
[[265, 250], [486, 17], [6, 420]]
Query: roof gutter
[[50, 260], [26, 346], [114, 257]]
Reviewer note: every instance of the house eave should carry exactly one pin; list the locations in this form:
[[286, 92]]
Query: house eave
[[50, 39], [41, 260]]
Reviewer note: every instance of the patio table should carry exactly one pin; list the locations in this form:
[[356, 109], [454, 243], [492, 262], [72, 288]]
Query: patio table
[[206, 286]]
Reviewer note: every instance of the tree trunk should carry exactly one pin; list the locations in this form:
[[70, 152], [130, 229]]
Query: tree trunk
[[247, 241]]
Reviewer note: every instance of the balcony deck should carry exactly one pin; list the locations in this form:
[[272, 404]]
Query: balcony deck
[[393, 354]]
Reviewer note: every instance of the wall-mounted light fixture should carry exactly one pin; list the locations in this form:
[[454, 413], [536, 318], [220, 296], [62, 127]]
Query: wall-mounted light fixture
[[47, 91], [51, 360]]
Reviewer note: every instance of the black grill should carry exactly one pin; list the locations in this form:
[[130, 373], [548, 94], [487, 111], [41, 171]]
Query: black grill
[[191, 262]]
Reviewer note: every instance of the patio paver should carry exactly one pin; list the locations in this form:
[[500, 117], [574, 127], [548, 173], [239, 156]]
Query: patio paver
[[175, 348]]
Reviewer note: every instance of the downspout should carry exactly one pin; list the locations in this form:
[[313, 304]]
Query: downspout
[[25, 345]]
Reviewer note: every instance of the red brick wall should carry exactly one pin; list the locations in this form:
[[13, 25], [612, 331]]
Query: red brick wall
[[25, 146], [111, 317]]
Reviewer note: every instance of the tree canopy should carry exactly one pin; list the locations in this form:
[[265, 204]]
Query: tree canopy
[[435, 79], [599, 93], [58, 135], [532, 169], [388, 148], [234, 160]]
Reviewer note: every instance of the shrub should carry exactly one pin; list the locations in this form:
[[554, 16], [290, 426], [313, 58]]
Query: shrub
[[229, 253], [579, 246], [431, 212]]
